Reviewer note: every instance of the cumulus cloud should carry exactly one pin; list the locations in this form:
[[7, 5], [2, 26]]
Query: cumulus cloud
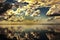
[[54, 10], [41, 2], [57, 17], [54, 20], [34, 4], [36, 13]]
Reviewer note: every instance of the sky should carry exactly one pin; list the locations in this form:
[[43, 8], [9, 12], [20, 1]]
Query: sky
[[43, 9], [9, 0]]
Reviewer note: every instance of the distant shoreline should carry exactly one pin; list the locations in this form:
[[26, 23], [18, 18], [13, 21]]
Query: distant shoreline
[[29, 23]]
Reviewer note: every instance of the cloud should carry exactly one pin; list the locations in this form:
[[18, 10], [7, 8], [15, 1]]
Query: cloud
[[1, 1], [41, 2], [54, 4], [54, 10], [36, 13], [55, 20], [18, 0], [4, 7], [57, 17], [28, 12]]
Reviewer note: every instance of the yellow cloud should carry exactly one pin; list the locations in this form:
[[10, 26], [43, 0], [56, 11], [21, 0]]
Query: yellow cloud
[[55, 9], [57, 17], [10, 12], [46, 3], [36, 13]]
